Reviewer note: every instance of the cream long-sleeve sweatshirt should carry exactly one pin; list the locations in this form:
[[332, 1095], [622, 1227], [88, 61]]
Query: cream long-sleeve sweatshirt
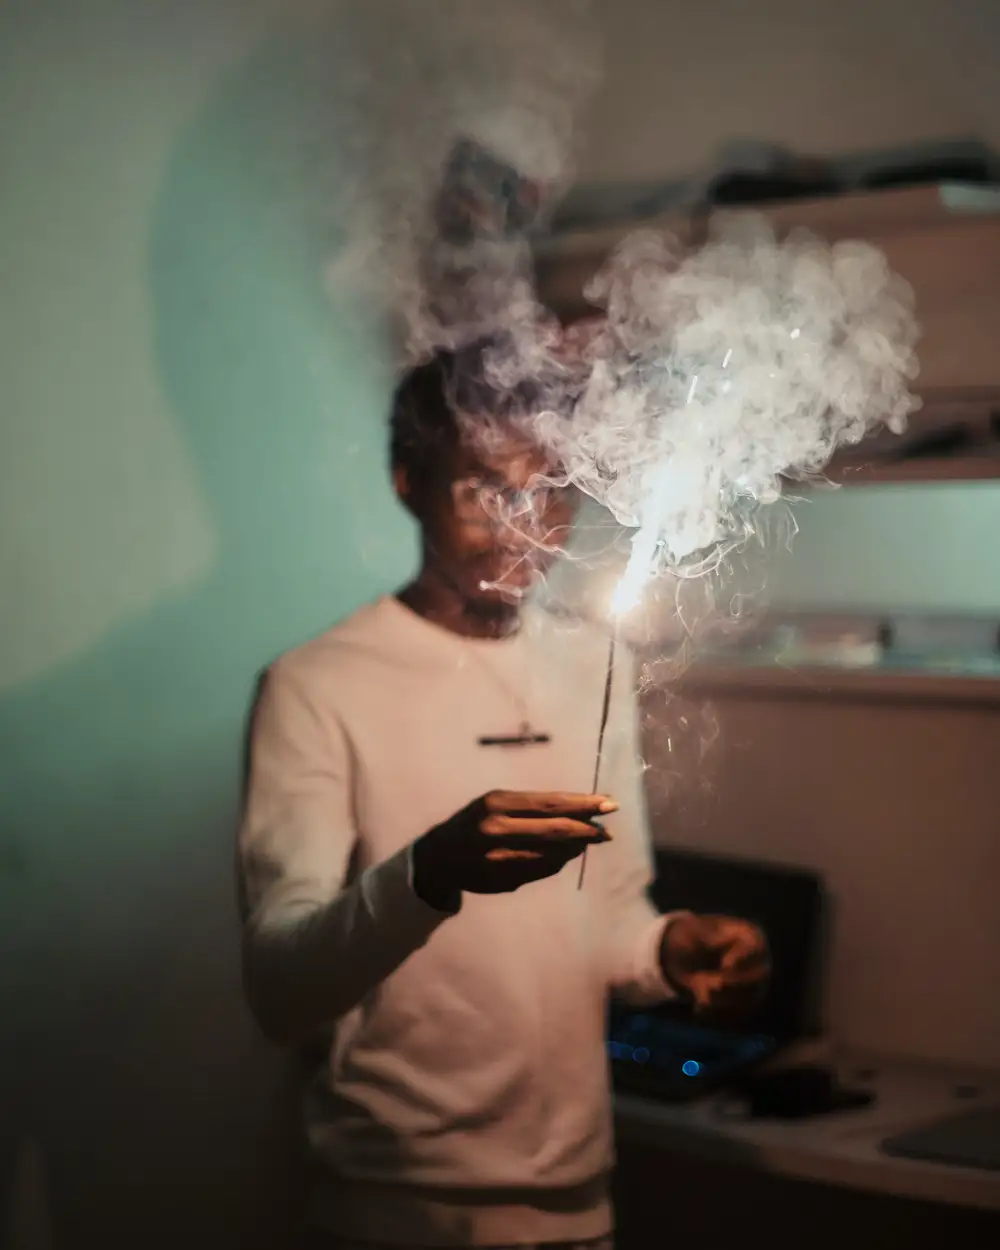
[[464, 1053]]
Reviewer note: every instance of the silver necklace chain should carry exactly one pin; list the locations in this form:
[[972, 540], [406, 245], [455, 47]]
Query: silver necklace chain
[[517, 699]]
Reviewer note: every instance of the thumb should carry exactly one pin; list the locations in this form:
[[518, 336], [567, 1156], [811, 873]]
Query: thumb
[[736, 950], [704, 986]]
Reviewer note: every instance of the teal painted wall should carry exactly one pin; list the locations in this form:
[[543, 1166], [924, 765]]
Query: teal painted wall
[[191, 480], [926, 548]]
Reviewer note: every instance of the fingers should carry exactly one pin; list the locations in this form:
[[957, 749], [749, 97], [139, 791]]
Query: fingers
[[556, 856], [704, 987], [712, 991], [718, 981], [510, 868], [723, 962], [733, 942], [745, 960], [548, 802], [551, 828], [746, 951], [731, 988]]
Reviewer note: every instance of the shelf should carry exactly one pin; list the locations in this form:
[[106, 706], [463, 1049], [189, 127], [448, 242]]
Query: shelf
[[877, 683], [966, 417], [979, 468]]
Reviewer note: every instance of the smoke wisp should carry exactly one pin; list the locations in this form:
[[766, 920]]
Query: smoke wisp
[[458, 126]]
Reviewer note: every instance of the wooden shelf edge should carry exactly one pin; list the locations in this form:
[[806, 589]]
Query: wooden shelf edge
[[818, 682], [981, 468]]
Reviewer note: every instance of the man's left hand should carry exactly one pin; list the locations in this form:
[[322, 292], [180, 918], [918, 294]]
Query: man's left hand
[[721, 962]]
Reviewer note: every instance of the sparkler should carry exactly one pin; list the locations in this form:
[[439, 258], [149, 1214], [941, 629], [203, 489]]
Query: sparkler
[[605, 709], [625, 597]]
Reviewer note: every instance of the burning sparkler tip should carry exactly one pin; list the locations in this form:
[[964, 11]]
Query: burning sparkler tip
[[623, 600]]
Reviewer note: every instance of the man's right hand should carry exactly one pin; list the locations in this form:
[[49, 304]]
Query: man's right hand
[[504, 840]]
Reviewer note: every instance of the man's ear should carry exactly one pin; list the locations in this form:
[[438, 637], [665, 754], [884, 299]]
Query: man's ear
[[403, 486]]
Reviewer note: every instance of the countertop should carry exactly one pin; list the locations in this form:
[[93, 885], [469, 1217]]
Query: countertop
[[841, 1148]]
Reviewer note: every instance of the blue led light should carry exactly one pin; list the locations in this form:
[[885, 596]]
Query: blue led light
[[619, 1050], [640, 1055], [690, 1067]]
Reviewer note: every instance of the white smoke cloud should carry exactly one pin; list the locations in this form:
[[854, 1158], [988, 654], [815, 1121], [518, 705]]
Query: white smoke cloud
[[416, 85], [719, 372]]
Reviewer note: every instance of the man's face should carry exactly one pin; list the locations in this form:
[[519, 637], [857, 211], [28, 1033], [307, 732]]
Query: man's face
[[492, 520]]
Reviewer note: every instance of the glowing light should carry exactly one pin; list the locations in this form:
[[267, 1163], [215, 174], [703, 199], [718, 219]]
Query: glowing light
[[640, 1055], [628, 593], [625, 597], [690, 1067]]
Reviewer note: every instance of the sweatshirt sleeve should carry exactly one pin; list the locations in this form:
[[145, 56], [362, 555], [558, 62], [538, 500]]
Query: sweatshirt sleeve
[[633, 927], [314, 943]]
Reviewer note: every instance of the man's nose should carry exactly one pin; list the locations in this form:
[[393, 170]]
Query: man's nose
[[520, 536]]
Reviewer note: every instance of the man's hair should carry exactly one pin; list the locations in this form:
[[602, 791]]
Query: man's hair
[[423, 426], [433, 397]]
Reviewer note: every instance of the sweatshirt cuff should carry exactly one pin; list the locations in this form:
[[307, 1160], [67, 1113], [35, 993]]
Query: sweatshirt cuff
[[390, 897], [659, 984]]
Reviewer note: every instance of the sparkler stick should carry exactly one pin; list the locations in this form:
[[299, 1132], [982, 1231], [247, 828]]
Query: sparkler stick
[[605, 709]]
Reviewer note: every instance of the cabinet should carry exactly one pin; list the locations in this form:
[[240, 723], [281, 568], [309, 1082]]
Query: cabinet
[[946, 242], [666, 1198]]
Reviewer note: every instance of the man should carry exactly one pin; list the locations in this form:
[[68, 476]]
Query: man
[[419, 780]]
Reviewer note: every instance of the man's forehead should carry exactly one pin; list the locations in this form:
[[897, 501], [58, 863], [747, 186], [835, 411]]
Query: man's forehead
[[501, 449]]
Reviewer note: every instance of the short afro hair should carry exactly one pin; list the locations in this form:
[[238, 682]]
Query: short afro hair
[[433, 398]]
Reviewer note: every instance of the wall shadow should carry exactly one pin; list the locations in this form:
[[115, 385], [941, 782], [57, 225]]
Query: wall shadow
[[125, 1047]]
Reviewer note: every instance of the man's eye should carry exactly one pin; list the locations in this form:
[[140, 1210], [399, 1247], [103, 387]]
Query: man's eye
[[492, 490]]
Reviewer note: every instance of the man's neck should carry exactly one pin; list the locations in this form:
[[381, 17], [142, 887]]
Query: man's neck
[[444, 606]]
